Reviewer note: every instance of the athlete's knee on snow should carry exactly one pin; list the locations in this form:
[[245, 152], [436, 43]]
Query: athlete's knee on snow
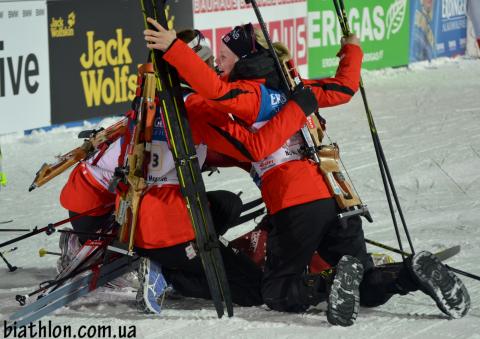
[[275, 297], [296, 294], [248, 298]]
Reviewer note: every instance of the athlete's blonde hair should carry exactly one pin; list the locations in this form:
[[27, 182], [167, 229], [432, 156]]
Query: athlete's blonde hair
[[280, 49]]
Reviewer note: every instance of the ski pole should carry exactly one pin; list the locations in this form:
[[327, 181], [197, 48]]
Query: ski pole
[[11, 268], [50, 228], [249, 216], [384, 170], [405, 254], [14, 229], [467, 274], [22, 299], [251, 204], [10, 250], [90, 234], [42, 252], [386, 247]]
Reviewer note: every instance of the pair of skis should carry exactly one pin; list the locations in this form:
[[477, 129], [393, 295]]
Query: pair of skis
[[91, 268], [79, 278], [187, 166]]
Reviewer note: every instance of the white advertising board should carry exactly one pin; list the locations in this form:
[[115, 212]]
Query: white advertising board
[[285, 19], [24, 66]]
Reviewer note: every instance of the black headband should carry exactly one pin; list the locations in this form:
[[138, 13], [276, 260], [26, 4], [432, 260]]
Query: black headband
[[241, 40]]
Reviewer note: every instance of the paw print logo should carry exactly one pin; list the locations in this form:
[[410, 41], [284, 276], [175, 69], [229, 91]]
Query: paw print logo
[[71, 19]]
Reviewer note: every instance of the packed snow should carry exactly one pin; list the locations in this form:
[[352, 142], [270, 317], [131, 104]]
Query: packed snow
[[428, 119]]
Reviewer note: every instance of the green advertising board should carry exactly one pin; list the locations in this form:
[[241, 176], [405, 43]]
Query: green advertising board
[[381, 25]]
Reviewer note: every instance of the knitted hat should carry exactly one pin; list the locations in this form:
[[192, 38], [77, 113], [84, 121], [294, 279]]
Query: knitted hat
[[241, 40]]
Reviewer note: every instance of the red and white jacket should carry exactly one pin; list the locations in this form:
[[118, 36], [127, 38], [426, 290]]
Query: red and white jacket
[[284, 183]]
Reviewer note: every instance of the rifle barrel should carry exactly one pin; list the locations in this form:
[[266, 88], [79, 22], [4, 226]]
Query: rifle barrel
[[51, 227]]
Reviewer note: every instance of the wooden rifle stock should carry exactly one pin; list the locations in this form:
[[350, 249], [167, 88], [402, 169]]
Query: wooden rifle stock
[[49, 171], [328, 155], [137, 156]]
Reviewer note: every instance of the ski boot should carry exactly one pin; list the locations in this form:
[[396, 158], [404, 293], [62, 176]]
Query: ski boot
[[128, 280], [344, 296], [69, 247], [152, 287], [441, 284]]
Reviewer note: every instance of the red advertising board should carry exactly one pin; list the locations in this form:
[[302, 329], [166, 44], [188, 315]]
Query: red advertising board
[[285, 19]]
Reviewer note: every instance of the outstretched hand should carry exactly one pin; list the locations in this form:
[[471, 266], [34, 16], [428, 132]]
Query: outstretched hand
[[159, 39]]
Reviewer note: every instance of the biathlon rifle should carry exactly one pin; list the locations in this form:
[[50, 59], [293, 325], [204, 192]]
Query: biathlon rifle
[[133, 174], [326, 156], [95, 140]]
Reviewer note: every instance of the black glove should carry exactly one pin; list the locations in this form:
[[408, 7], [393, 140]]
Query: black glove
[[305, 98]]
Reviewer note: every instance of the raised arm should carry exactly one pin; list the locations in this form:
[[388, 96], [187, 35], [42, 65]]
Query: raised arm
[[341, 88], [241, 97]]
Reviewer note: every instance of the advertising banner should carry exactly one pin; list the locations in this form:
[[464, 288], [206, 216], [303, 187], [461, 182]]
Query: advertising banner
[[285, 20], [382, 26], [95, 47], [438, 29], [24, 74]]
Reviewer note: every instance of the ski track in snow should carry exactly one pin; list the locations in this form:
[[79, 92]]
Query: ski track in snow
[[428, 120]]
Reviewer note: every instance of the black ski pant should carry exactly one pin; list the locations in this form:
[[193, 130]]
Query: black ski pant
[[188, 278], [300, 230], [381, 283], [187, 275], [297, 232], [89, 224], [225, 207]]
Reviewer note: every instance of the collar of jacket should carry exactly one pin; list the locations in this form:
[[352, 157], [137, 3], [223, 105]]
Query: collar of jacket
[[258, 65]]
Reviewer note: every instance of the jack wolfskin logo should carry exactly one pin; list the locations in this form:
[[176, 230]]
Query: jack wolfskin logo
[[58, 29]]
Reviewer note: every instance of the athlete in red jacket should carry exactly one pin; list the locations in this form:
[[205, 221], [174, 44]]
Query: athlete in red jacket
[[303, 214], [296, 195], [244, 100], [164, 231]]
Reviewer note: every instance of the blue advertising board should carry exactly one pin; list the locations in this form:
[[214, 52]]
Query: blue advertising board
[[438, 28]]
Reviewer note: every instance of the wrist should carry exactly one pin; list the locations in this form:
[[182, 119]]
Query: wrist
[[171, 44]]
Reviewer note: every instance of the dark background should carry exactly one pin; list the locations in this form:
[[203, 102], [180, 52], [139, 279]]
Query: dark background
[[68, 101]]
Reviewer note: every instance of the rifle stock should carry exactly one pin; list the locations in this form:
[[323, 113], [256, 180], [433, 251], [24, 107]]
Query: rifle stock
[[49, 171], [137, 157]]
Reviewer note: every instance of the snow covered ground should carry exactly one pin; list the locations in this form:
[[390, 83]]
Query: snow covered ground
[[428, 119]]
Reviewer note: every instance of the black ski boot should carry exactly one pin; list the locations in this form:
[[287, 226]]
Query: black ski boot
[[441, 284], [344, 296]]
